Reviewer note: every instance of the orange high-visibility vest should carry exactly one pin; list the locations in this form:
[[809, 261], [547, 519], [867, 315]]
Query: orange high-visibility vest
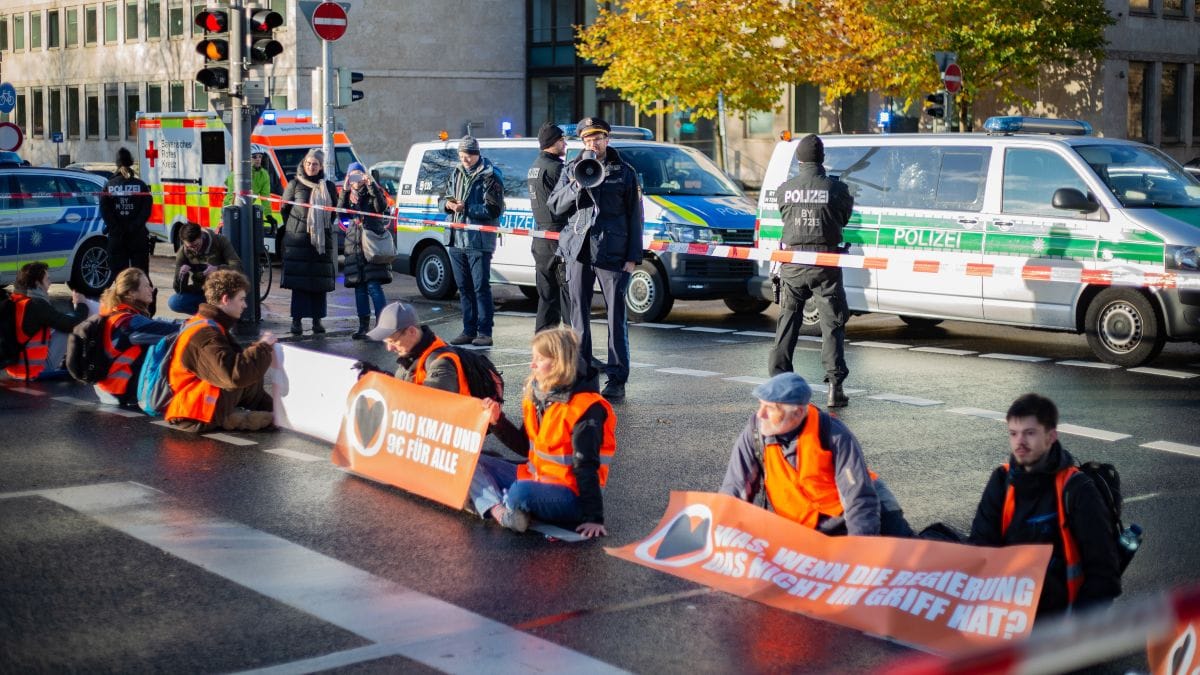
[[438, 344], [193, 399], [35, 356], [120, 374], [807, 491], [551, 455], [1070, 548]]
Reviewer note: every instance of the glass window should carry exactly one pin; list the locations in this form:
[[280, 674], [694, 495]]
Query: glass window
[[962, 178], [1196, 101], [21, 111], [3, 33], [39, 113], [18, 32], [1139, 6], [1031, 177], [85, 191], [73, 101], [514, 164], [175, 19], [1137, 108], [154, 98], [41, 187], [197, 7], [110, 23], [153, 19], [72, 27], [921, 177], [541, 21], [56, 108], [1141, 177], [131, 21], [1171, 102], [89, 25], [551, 99], [53, 29], [133, 104], [35, 30], [199, 97], [175, 98], [112, 112], [1172, 7], [564, 15], [676, 171], [281, 7], [808, 109], [435, 169], [855, 114], [760, 123], [91, 98]]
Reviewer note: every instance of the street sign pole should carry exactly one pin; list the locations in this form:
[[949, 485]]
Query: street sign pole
[[327, 108], [243, 228]]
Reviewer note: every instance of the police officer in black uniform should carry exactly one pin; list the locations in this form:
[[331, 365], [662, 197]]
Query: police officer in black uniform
[[553, 301], [815, 208]]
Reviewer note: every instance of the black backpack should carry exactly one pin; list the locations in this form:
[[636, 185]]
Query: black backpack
[[11, 349], [1108, 483], [483, 380], [87, 359]]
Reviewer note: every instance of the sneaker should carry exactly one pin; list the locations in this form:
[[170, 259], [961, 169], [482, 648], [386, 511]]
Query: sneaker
[[515, 520], [463, 339], [482, 341], [614, 392]]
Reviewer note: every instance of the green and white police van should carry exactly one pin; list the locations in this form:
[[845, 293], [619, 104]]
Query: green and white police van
[[1035, 223], [686, 200]]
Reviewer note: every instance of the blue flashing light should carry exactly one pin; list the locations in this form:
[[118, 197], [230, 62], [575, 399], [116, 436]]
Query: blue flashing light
[[1036, 125], [268, 116], [506, 129]]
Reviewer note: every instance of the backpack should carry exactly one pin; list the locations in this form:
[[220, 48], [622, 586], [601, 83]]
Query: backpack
[[154, 391], [483, 380], [11, 348], [87, 357], [1108, 484]]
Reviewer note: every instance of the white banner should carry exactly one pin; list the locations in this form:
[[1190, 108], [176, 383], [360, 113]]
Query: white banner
[[310, 390]]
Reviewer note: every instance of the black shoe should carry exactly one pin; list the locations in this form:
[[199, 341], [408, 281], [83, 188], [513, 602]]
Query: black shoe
[[297, 329], [614, 392], [364, 324], [837, 398], [317, 327]]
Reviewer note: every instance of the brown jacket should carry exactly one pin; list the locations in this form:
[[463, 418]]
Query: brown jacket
[[218, 359], [216, 251]]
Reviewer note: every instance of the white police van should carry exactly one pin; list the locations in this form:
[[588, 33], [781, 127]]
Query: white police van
[[53, 216], [686, 199], [1036, 223]]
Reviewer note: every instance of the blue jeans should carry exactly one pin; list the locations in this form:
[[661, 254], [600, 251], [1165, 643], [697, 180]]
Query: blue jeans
[[185, 303], [372, 291], [472, 272], [495, 482]]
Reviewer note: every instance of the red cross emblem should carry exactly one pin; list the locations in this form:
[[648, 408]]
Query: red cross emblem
[[151, 154]]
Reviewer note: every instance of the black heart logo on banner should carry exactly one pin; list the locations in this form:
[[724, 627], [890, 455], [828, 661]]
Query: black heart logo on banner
[[683, 537], [368, 416]]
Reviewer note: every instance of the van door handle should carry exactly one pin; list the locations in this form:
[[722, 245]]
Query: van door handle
[[968, 221], [1002, 224]]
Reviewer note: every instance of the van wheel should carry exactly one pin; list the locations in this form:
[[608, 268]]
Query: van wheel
[[529, 292], [919, 322], [91, 273], [434, 278], [648, 298], [747, 305], [810, 323], [1123, 328]]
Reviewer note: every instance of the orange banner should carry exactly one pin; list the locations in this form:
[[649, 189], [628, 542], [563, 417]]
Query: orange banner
[[422, 440], [1179, 654], [939, 596]]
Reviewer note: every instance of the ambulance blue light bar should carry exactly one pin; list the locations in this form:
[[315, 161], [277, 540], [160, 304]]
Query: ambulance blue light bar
[[1036, 125], [268, 116]]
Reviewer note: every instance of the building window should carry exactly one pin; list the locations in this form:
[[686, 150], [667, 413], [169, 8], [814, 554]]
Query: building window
[[153, 19], [73, 112], [90, 29], [1139, 7], [855, 114], [1172, 8], [131, 21], [281, 7], [176, 103], [197, 7], [21, 114], [199, 97], [552, 99], [1196, 102], [760, 123], [112, 111], [3, 33], [1138, 107], [175, 19], [1171, 102], [133, 104], [110, 23], [53, 30], [18, 32], [72, 27], [808, 109], [91, 97], [56, 116], [153, 98], [39, 113], [35, 30]]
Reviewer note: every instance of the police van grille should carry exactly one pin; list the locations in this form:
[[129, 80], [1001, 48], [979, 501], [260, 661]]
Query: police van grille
[[735, 237], [704, 266]]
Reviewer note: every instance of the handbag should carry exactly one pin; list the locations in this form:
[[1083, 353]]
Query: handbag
[[379, 248]]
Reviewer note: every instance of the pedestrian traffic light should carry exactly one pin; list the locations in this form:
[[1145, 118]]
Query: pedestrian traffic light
[[263, 47], [938, 109], [346, 95], [215, 49]]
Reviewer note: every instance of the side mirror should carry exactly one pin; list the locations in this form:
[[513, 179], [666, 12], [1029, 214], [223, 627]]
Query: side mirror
[[1070, 199]]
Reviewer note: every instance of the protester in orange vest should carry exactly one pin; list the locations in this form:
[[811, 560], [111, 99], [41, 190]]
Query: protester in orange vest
[[423, 357], [809, 465], [1021, 505], [42, 329], [217, 384], [128, 331], [569, 436]]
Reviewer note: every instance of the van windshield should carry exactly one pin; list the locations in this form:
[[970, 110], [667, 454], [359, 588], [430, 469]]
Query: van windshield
[[1142, 177], [675, 170], [289, 160]]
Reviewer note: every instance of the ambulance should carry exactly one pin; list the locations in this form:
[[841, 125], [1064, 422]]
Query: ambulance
[[186, 156], [1035, 223]]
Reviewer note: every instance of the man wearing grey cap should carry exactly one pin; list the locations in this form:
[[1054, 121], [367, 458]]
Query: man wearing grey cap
[[474, 195], [419, 351], [809, 466]]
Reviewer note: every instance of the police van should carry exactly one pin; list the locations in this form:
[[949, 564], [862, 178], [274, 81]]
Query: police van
[[185, 158], [1035, 223], [53, 216], [686, 198]]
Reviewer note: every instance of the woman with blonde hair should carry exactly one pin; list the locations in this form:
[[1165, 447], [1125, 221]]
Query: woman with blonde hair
[[128, 330], [569, 436]]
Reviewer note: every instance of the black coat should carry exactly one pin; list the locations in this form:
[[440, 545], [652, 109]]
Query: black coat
[[543, 177], [607, 232], [355, 267], [815, 208], [303, 268]]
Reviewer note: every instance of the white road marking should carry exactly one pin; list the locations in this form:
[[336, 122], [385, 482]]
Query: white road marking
[[1014, 357], [226, 438], [1177, 374], [755, 333], [944, 350], [333, 304], [293, 454], [664, 326], [979, 412], [1088, 432], [1141, 498], [513, 365], [510, 350], [412, 624], [729, 342], [163, 423], [746, 379], [1089, 364], [639, 364], [688, 371], [909, 400], [812, 338], [524, 315], [706, 329], [879, 345], [120, 412], [25, 390], [824, 388], [1178, 448], [75, 401]]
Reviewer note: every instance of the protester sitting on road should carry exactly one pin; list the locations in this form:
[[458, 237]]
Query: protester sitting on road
[[1020, 505], [42, 329], [217, 384], [569, 436], [128, 331], [201, 252], [809, 465], [360, 193], [423, 357]]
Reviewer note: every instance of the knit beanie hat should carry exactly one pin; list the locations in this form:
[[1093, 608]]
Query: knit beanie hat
[[811, 149], [548, 135], [469, 145]]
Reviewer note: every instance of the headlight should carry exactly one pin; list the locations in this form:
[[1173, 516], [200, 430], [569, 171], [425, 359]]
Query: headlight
[[688, 234], [1184, 258]]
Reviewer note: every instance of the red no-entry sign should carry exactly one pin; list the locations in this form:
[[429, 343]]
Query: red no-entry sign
[[329, 21], [952, 78]]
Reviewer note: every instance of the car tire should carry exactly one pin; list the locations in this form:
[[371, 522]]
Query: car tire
[[530, 292], [919, 322], [91, 272], [435, 279], [1123, 327], [648, 297], [747, 305], [810, 319]]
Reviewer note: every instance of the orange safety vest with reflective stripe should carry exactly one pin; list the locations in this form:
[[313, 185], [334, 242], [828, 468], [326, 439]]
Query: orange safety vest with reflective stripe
[[807, 491], [35, 355], [551, 455], [1070, 548], [193, 399], [120, 374], [421, 372]]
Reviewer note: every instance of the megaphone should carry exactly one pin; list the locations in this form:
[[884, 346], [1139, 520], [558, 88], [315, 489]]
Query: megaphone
[[588, 170]]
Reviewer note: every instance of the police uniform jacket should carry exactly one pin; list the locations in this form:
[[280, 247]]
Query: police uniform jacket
[[542, 177], [604, 227], [815, 208], [125, 205]]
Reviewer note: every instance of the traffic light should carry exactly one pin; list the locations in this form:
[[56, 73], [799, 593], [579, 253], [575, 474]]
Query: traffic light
[[938, 109], [263, 47], [215, 49], [346, 95]]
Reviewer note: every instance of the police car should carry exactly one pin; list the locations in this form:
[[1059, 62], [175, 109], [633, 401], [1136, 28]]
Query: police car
[[53, 216]]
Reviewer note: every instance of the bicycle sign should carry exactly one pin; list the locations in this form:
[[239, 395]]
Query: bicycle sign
[[8, 98]]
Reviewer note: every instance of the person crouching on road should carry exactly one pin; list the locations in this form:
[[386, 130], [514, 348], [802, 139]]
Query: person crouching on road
[[360, 193], [201, 253], [423, 357], [128, 331], [809, 465], [217, 384], [569, 435], [40, 327]]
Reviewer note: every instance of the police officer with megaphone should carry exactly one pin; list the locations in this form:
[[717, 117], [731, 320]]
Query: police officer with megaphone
[[599, 194]]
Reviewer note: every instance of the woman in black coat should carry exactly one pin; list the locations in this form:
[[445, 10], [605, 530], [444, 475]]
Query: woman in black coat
[[360, 193], [309, 241]]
